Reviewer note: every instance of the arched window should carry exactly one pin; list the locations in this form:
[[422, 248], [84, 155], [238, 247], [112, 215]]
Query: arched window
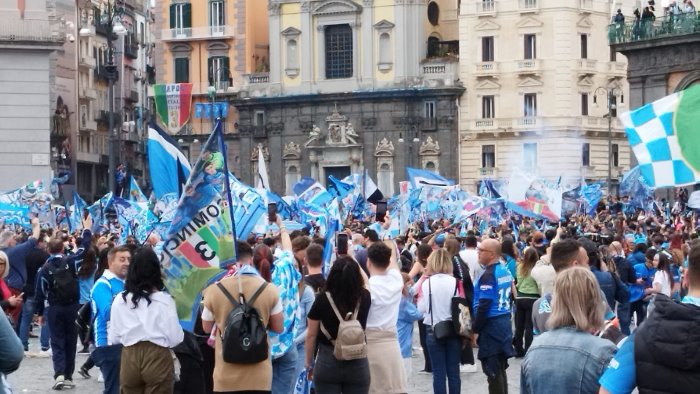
[[430, 166], [291, 178], [433, 46], [385, 179]]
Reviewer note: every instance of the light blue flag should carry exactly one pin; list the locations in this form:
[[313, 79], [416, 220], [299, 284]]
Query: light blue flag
[[249, 207], [168, 166], [135, 193], [76, 217], [98, 212], [426, 178], [329, 247], [12, 214]]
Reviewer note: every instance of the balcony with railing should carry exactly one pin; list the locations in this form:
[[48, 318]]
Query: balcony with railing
[[667, 26], [88, 93], [528, 66], [617, 69], [486, 69], [87, 62], [198, 33], [586, 5], [131, 46], [17, 31], [486, 8], [487, 172], [586, 66], [526, 6], [256, 78], [440, 71]]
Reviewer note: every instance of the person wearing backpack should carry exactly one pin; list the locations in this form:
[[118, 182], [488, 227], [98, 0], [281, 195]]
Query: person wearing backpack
[[57, 282], [336, 323], [242, 357]]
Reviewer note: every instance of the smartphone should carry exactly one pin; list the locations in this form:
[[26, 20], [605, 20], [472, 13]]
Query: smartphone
[[381, 211], [341, 243], [272, 212]]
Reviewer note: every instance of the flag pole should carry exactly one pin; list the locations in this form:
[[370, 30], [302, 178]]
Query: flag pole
[[223, 148]]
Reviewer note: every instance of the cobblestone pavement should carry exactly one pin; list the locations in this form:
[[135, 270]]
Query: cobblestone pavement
[[35, 375]]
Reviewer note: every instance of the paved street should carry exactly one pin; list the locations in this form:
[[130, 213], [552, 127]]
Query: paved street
[[35, 375]]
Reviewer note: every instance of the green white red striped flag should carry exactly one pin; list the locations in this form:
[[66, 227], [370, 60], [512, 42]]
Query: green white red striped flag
[[173, 104]]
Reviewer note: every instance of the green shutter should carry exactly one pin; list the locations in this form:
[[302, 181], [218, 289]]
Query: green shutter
[[210, 70], [226, 71], [187, 15], [182, 70], [172, 15]]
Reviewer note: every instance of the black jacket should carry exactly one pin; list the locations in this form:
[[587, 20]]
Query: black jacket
[[666, 349]]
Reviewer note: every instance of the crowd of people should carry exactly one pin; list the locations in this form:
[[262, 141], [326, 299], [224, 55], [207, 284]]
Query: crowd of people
[[679, 17], [602, 303]]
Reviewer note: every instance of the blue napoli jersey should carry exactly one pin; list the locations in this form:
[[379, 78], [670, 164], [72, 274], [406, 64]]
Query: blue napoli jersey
[[494, 284]]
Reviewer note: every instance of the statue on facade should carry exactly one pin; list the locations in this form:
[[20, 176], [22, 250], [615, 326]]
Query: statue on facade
[[335, 134], [350, 134], [314, 135]]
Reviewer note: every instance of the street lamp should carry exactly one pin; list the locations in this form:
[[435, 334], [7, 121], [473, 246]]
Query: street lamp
[[220, 74], [112, 18], [612, 93]]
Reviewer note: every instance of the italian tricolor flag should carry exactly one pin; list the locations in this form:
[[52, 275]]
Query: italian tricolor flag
[[173, 103]]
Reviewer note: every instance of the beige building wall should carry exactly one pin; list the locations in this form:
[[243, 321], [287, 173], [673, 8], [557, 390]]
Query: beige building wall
[[556, 73]]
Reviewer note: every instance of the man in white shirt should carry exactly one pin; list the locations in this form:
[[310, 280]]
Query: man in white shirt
[[471, 257], [383, 352]]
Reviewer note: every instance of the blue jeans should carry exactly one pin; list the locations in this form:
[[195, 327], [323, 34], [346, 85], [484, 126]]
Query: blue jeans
[[109, 359], [445, 357], [26, 320], [624, 317], [283, 369], [301, 360]]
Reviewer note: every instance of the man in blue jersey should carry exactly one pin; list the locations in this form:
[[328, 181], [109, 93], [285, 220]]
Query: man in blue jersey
[[492, 327], [111, 283]]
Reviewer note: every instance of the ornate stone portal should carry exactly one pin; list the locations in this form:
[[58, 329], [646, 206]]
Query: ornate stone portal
[[338, 150]]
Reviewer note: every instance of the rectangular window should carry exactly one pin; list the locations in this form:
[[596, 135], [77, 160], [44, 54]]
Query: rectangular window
[[429, 115], [488, 156], [530, 156], [530, 105], [181, 18], [584, 104], [530, 44], [615, 155], [182, 70], [487, 54], [259, 118], [339, 51], [488, 107], [219, 71], [586, 155], [584, 46], [216, 17]]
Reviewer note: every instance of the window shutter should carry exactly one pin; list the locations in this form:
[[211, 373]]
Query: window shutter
[[225, 72], [172, 15], [210, 70], [187, 18]]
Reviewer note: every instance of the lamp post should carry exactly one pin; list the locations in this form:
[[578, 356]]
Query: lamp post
[[612, 93], [220, 74], [112, 17]]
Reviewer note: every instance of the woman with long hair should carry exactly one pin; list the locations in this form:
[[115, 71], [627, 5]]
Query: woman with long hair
[[262, 261], [436, 306], [306, 300], [345, 286], [569, 358], [510, 256], [663, 278], [526, 295], [144, 320], [418, 274]]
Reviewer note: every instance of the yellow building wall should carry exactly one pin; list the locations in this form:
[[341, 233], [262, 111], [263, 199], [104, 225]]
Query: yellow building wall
[[384, 10], [256, 35], [291, 17]]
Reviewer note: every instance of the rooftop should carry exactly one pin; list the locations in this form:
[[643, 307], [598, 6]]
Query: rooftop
[[664, 27]]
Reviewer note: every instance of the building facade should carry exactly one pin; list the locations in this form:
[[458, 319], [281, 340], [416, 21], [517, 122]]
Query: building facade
[[30, 32], [211, 44], [541, 81], [353, 85]]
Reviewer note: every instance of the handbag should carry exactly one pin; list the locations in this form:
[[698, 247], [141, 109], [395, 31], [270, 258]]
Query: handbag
[[444, 329], [461, 309]]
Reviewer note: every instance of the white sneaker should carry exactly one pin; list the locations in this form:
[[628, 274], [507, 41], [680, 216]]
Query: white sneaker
[[101, 378], [44, 354], [58, 383], [467, 368]]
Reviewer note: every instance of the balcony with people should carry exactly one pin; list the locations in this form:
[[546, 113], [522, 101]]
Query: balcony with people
[[679, 20]]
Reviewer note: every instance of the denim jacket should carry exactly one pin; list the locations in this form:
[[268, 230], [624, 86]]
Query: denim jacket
[[565, 360]]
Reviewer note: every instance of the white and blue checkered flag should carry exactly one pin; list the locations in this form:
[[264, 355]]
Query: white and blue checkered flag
[[665, 138]]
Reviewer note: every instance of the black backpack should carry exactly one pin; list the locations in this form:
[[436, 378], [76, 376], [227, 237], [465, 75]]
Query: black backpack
[[244, 335], [63, 283]]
